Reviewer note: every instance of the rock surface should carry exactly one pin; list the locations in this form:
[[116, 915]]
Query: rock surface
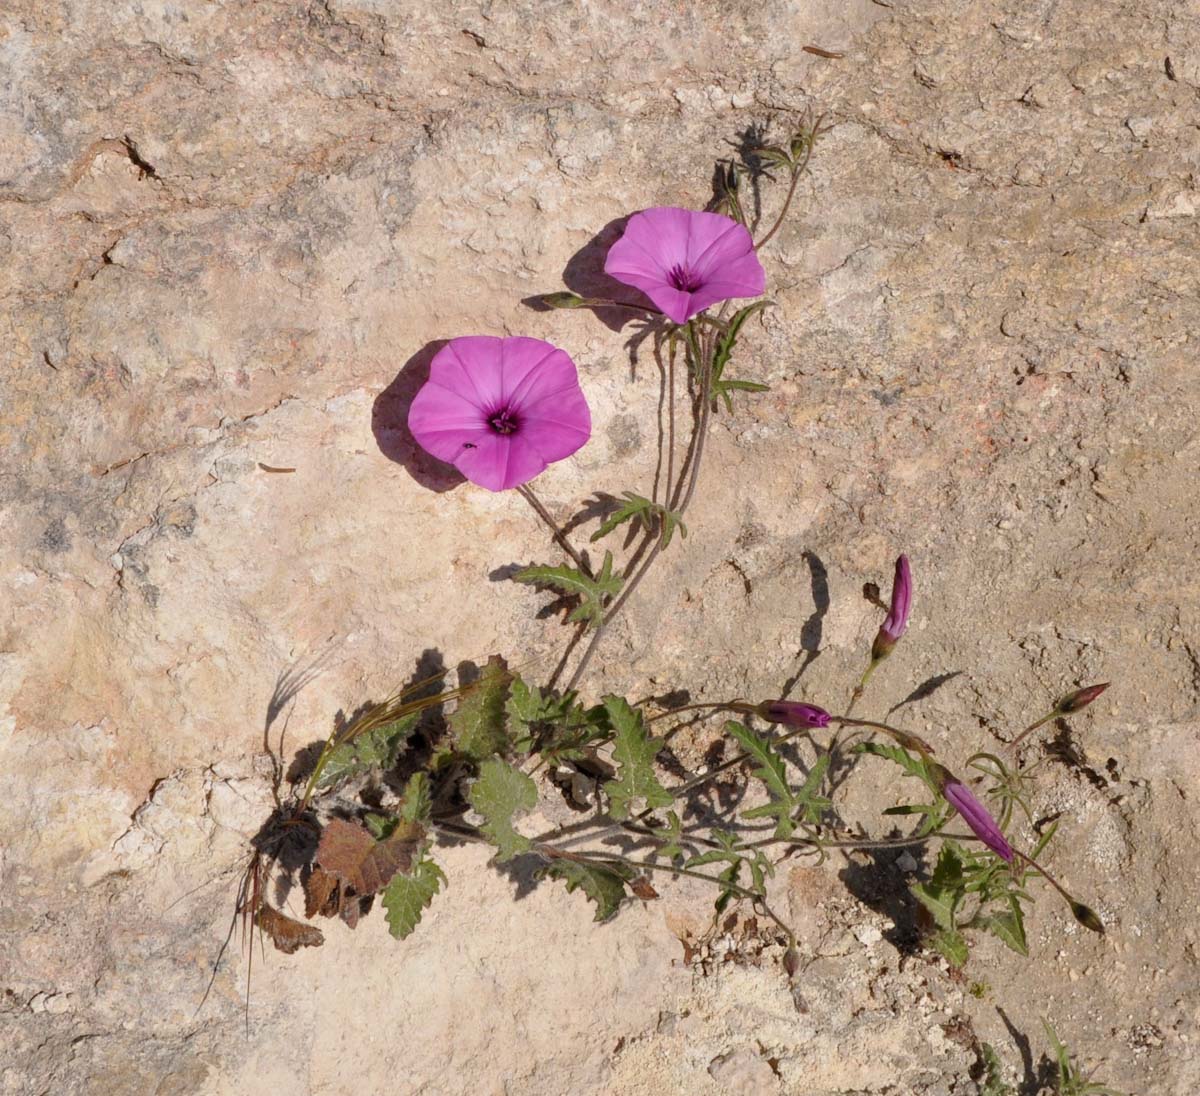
[[230, 234]]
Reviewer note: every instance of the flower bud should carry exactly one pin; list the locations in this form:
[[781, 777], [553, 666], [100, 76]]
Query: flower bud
[[973, 813], [897, 619], [564, 300], [793, 713], [1081, 698], [1087, 917]]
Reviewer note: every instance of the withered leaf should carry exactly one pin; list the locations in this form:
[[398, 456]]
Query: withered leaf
[[642, 888], [359, 862], [287, 934], [320, 894]]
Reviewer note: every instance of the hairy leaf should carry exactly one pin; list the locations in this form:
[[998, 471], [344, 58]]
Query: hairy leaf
[[720, 387], [407, 895], [417, 803], [913, 766], [670, 835], [939, 902], [1007, 927], [951, 944], [500, 792], [772, 771], [604, 884], [477, 725], [377, 748], [358, 861], [651, 516], [529, 708], [634, 752], [574, 583], [287, 934]]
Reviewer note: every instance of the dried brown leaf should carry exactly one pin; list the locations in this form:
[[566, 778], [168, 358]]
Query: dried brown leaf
[[360, 863], [287, 934], [320, 894], [642, 888]]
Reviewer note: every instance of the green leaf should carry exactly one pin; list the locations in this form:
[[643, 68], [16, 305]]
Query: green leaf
[[772, 771], [719, 387], [634, 752], [649, 515], [951, 944], [407, 895], [670, 834], [377, 748], [948, 871], [938, 902], [529, 709], [418, 802], [477, 725], [604, 884], [636, 508], [811, 805], [913, 766], [1008, 927], [993, 1076], [499, 793], [567, 580]]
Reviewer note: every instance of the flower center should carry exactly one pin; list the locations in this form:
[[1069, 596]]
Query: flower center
[[683, 279], [504, 421]]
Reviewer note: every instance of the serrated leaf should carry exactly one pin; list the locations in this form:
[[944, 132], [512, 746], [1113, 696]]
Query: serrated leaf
[[948, 871], [772, 771], [1008, 928], [806, 800], [939, 902], [604, 884], [417, 803], [670, 835], [646, 513], [634, 751], [407, 895], [951, 944], [913, 766], [377, 748], [499, 794], [529, 708], [635, 508], [358, 861], [477, 725], [574, 583]]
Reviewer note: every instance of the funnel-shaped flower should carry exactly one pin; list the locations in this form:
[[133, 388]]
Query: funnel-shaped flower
[[975, 815], [897, 619], [500, 410], [793, 713], [685, 261]]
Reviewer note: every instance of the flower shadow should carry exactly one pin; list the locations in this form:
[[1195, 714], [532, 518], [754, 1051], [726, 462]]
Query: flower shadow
[[389, 424]]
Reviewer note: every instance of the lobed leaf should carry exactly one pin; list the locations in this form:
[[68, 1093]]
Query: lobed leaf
[[604, 884], [634, 751], [499, 794], [573, 582], [1007, 927], [377, 748], [951, 944], [408, 894], [360, 862], [477, 726]]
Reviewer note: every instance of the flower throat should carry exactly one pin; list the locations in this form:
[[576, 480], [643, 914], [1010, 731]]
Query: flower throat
[[504, 421]]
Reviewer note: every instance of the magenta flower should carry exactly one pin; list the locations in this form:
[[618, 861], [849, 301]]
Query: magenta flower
[[897, 619], [500, 410], [685, 261], [793, 713], [976, 815]]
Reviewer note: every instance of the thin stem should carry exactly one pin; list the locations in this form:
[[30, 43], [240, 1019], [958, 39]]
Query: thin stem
[[1032, 727], [691, 471], [797, 171], [527, 494]]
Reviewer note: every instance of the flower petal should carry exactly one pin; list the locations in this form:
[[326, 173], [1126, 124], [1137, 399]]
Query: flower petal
[[500, 461], [524, 361], [471, 365], [558, 425], [443, 421]]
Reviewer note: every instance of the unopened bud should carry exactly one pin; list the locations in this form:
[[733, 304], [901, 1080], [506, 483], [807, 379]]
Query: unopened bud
[[791, 962], [1081, 698], [1087, 917], [793, 713], [564, 300]]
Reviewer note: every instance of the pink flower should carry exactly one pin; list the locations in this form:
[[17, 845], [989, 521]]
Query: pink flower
[[685, 261], [500, 410]]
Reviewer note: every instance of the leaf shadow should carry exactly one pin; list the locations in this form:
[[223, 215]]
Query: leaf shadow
[[925, 690], [880, 885], [812, 631]]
